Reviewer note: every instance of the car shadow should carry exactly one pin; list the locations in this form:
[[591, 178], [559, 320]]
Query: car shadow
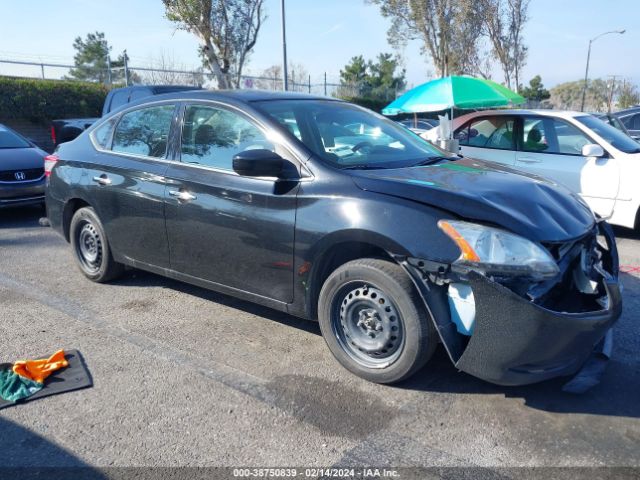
[[139, 278], [26, 454], [21, 217]]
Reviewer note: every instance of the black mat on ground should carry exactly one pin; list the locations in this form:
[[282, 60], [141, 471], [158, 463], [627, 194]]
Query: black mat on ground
[[74, 377]]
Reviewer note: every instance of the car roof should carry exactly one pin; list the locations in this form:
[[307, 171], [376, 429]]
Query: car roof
[[626, 111], [243, 96], [538, 112]]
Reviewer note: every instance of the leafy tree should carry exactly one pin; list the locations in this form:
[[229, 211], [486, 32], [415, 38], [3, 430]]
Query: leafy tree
[[91, 58], [628, 95], [535, 91], [355, 71], [382, 75], [227, 31], [568, 95], [503, 22], [91, 63], [372, 79], [449, 30]]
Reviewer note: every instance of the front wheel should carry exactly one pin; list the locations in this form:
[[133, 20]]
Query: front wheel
[[374, 321], [91, 248]]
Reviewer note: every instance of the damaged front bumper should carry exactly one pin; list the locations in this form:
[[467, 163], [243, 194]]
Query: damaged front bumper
[[520, 337]]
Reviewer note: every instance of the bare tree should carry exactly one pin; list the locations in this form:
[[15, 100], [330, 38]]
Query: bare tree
[[227, 30], [448, 29], [504, 21], [271, 78], [167, 71]]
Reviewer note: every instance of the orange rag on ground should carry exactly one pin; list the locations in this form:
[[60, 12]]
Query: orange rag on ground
[[38, 370]]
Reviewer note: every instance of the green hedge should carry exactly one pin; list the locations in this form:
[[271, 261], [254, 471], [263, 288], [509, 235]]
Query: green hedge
[[43, 100], [371, 103]]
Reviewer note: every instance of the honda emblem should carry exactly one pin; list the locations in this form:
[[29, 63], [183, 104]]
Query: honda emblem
[[20, 175]]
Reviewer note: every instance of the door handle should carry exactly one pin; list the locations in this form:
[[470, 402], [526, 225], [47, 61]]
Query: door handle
[[102, 180], [528, 160], [182, 195]]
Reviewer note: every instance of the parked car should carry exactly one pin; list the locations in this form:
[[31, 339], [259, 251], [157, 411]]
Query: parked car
[[329, 211], [21, 170], [69, 128], [615, 122], [575, 149], [420, 126], [630, 118]]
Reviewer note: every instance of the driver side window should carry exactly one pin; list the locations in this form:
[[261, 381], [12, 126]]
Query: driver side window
[[212, 136]]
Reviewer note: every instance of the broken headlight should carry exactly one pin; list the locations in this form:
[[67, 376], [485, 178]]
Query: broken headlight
[[492, 251]]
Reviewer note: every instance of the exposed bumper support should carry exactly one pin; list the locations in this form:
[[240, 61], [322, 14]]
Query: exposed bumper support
[[517, 341]]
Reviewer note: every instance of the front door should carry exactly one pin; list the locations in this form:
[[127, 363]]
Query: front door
[[552, 148], [228, 229]]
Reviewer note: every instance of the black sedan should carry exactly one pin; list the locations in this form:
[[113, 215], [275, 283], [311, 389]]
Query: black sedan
[[333, 213], [21, 170]]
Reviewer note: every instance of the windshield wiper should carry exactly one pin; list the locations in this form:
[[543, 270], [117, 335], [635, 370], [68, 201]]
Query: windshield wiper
[[436, 159]]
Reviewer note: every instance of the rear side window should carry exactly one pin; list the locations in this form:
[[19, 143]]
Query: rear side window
[[102, 134], [489, 132], [144, 131], [119, 99], [632, 122], [139, 93]]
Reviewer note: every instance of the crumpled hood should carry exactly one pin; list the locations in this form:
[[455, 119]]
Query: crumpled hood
[[488, 192]]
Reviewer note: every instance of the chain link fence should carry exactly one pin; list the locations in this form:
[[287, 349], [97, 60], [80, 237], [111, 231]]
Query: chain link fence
[[139, 75]]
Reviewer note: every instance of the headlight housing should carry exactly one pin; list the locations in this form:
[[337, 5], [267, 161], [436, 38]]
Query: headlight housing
[[497, 252]]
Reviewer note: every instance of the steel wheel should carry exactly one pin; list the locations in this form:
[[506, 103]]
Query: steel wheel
[[89, 246], [368, 325]]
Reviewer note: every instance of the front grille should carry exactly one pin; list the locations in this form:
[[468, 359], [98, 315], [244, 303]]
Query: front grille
[[21, 175]]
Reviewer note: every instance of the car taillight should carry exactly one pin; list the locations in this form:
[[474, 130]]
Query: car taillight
[[49, 162], [53, 134]]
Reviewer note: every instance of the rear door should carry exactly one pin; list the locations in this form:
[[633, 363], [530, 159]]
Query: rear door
[[552, 148], [224, 228], [489, 138], [128, 182]]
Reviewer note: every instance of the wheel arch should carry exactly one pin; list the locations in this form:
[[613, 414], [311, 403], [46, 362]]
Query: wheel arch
[[71, 206], [340, 248]]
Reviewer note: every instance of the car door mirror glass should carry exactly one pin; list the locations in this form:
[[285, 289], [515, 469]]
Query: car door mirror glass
[[592, 150]]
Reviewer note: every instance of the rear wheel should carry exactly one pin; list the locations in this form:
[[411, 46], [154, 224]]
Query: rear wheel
[[374, 321], [91, 248]]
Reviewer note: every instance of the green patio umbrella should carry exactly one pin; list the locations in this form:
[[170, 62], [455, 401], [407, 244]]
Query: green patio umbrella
[[453, 92]]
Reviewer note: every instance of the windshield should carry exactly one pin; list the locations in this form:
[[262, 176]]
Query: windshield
[[9, 139], [615, 137], [347, 136]]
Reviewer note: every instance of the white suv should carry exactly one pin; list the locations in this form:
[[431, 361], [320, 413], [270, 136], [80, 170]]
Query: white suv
[[576, 149]]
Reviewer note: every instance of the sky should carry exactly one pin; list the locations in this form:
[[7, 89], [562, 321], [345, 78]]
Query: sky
[[322, 35]]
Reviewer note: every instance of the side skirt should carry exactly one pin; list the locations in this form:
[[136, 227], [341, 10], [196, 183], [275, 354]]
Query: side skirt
[[199, 282]]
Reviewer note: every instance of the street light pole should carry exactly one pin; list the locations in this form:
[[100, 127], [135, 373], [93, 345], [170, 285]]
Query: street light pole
[[586, 72], [285, 84]]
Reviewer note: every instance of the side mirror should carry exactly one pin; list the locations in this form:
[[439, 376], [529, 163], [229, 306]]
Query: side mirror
[[258, 163], [592, 150]]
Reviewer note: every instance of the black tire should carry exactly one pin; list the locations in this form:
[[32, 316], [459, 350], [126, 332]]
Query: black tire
[[91, 248], [384, 307]]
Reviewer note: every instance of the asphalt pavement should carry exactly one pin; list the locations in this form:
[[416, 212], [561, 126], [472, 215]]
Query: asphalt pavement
[[187, 377]]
